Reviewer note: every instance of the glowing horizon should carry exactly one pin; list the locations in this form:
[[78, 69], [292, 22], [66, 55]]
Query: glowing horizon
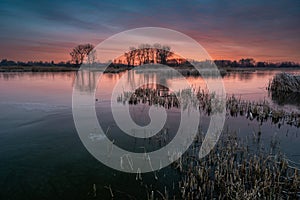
[[265, 31]]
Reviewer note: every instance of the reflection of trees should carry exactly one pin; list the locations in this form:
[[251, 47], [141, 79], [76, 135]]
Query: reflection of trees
[[144, 76], [264, 73], [86, 81], [241, 75], [36, 75], [246, 76]]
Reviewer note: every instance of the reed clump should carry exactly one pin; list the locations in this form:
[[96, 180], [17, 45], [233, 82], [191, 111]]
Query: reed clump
[[261, 111], [232, 171], [284, 83]]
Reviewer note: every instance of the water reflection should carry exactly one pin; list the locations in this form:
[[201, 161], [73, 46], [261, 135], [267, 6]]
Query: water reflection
[[242, 76], [36, 75], [250, 85], [47, 154], [86, 81]]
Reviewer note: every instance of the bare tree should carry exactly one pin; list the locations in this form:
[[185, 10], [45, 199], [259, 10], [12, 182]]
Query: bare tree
[[157, 48], [152, 53], [146, 50], [92, 57], [140, 54], [132, 54], [80, 52], [165, 53], [146, 53], [128, 58], [162, 53]]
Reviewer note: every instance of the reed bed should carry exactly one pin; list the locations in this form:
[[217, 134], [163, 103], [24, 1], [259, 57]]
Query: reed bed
[[232, 171], [284, 83], [261, 111], [209, 104]]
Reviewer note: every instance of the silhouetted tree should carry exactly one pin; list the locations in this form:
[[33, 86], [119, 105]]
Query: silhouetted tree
[[80, 52], [132, 55], [223, 63], [247, 62], [146, 49], [260, 64], [91, 57], [146, 53], [156, 47], [6, 62], [164, 53]]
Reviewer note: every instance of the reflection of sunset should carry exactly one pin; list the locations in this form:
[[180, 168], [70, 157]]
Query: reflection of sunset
[[250, 85], [14, 85]]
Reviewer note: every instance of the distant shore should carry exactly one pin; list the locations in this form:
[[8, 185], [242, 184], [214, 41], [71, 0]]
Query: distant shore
[[55, 69], [253, 69], [121, 69], [37, 69]]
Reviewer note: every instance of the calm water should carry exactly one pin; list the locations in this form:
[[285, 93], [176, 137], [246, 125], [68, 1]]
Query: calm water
[[42, 156]]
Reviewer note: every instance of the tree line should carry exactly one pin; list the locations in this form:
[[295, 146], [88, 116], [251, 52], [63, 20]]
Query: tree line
[[250, 62], [144, 54], [7, 63]]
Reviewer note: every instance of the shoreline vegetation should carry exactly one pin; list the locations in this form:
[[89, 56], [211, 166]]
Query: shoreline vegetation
[[86, 55], [186, 71], [209, 104], [161, 54], [284, 88], [233, 171]]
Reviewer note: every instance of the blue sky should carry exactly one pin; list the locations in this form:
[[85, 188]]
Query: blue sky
[[228, 29]]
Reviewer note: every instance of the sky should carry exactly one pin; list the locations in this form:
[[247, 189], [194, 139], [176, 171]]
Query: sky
[[265, 30]]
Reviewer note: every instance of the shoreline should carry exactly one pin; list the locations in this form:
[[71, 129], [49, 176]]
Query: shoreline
[[253, 69], [121, 69], [37, 69]]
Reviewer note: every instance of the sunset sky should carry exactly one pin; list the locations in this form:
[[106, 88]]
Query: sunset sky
[[47, 30]]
